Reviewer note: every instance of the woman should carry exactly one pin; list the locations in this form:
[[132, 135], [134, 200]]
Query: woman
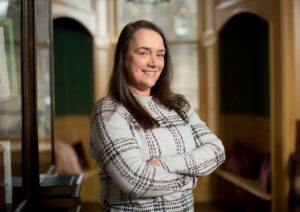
[[151, 146]]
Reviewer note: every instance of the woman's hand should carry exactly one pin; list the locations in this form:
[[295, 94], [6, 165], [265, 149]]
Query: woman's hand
[[154, 162]]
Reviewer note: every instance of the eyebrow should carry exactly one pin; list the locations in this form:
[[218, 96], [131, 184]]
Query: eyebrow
[[148, 49]]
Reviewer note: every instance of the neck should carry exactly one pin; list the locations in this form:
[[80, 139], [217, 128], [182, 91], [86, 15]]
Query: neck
[[139, 92]]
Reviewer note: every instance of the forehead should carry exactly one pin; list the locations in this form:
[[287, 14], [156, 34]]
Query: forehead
[[147, 38]]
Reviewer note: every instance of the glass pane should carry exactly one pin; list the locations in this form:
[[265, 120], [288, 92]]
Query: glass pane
[[179, 20], [186, 72], [43, 83], [10, 104]]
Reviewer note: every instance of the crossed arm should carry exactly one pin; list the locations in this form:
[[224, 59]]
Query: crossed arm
[[116, 150], [208, 155]]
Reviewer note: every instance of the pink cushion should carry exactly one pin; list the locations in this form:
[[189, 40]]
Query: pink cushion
[[66, 159], [264, 177]]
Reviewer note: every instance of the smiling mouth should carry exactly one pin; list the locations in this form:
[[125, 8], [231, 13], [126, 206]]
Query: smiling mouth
[[149, 72]]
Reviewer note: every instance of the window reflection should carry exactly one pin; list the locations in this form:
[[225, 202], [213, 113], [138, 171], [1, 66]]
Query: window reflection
[[10, 102], [3, 8], [44, 109], [186, 72], [177, 18]]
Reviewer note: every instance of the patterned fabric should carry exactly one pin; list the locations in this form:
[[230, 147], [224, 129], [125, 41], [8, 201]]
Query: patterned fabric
[[122, 148]]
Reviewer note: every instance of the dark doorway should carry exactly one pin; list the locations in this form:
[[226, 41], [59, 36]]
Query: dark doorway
[[244, 66], [245, 106], [73, 63]]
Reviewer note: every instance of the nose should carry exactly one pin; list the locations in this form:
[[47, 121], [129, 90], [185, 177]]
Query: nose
[[152, 62]]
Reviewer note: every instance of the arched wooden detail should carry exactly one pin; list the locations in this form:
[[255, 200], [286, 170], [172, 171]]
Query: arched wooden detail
[[244, 81]]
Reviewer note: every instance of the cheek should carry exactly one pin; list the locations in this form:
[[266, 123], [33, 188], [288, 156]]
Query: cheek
[[129, 65], [132, 69], [133, 64], [162, 65]]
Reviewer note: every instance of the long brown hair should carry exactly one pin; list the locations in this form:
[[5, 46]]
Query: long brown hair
[[161, 91]]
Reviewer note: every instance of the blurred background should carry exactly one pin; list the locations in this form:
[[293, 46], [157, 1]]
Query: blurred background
[[234, 60]]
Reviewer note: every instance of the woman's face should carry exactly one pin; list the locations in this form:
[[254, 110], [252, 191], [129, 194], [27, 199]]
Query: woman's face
[[144, 61]]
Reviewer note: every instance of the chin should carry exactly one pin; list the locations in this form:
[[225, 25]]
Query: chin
[[151, 85]]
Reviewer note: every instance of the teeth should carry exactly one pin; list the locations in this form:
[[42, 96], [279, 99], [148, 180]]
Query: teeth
[[147, 72]]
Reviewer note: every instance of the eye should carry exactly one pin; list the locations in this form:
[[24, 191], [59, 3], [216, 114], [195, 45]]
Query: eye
[[143, 53], [160, 56]]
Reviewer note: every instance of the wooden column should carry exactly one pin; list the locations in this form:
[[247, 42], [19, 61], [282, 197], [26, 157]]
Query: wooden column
[[29, 99], [209, 43], [288, 112]]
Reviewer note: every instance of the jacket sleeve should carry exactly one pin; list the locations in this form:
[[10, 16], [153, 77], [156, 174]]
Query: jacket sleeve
[[205, 158], [116, 150]]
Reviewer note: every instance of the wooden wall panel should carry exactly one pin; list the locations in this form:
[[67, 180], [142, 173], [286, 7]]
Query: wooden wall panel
[[72, 129]]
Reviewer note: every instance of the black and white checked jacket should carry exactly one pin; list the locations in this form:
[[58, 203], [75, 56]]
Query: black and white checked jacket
[[122, 148]]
